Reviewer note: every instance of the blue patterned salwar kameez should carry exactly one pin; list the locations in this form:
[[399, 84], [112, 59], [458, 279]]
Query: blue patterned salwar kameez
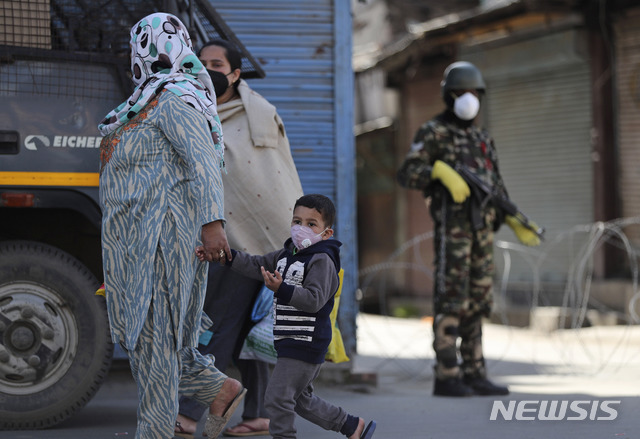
[[160, 182]]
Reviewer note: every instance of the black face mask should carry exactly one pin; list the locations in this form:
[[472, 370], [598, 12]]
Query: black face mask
[[220, 82]]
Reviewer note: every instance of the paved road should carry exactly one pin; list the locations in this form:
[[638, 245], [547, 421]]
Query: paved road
[[585, 368]]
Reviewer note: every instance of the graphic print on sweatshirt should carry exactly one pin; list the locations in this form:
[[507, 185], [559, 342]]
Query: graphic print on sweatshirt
[[291, 322], [295, 273]]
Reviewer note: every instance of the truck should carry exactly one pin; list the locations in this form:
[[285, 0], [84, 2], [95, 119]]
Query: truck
[[63, 65]]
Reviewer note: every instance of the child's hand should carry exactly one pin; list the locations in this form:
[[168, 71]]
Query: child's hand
[[272, 281], [200, 253]]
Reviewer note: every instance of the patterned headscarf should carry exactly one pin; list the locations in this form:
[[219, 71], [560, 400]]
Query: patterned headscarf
[[162, 57]]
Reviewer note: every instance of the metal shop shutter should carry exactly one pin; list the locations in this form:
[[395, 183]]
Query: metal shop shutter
[[293, 40], [538, 109], [628, 113]]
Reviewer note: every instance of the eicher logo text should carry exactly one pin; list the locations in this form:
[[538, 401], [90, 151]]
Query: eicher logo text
[[546, 410], [35, 141]]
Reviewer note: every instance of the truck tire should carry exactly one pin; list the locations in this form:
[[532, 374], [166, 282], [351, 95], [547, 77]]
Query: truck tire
[[55, 348]]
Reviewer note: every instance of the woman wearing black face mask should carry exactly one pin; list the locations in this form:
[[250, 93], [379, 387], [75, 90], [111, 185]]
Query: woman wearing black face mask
[[260, 187], [220, 83], [224, 64]]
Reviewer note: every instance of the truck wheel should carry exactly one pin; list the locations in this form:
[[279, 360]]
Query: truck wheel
[[55, 348]]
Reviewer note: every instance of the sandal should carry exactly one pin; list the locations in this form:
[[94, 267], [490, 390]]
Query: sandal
[[252, 431], [181, 432], [215, 424], [368, 432]]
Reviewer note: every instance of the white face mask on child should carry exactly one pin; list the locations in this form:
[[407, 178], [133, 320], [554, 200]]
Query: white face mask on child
[[304, 237]]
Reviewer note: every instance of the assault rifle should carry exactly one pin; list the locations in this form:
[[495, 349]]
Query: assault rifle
[[484, 193]]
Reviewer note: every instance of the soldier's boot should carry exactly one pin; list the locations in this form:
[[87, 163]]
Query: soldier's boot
[[473, 365], [447, 381]]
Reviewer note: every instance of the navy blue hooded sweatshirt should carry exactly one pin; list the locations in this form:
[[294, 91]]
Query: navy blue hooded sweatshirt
[[303, 303]]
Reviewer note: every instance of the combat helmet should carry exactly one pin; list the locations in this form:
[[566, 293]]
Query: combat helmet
[[461, 75]]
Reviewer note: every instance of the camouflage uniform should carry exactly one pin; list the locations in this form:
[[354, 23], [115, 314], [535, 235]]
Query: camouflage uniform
[[463, 249]]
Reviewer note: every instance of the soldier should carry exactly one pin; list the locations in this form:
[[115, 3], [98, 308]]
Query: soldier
[[464, 229]]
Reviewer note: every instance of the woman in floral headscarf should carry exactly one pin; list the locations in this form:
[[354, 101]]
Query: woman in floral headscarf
[[161, 195]]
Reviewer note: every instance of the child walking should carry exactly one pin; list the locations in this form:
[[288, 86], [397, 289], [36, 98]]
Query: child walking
[[304, 278]]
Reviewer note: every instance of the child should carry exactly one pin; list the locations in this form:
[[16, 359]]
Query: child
[[304, 278]]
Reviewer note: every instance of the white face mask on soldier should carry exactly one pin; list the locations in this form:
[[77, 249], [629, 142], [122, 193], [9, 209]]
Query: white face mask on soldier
[[466, 107]]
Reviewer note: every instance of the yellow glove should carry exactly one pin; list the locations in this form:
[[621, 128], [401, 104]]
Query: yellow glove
[[456, 185], [524, 234]]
